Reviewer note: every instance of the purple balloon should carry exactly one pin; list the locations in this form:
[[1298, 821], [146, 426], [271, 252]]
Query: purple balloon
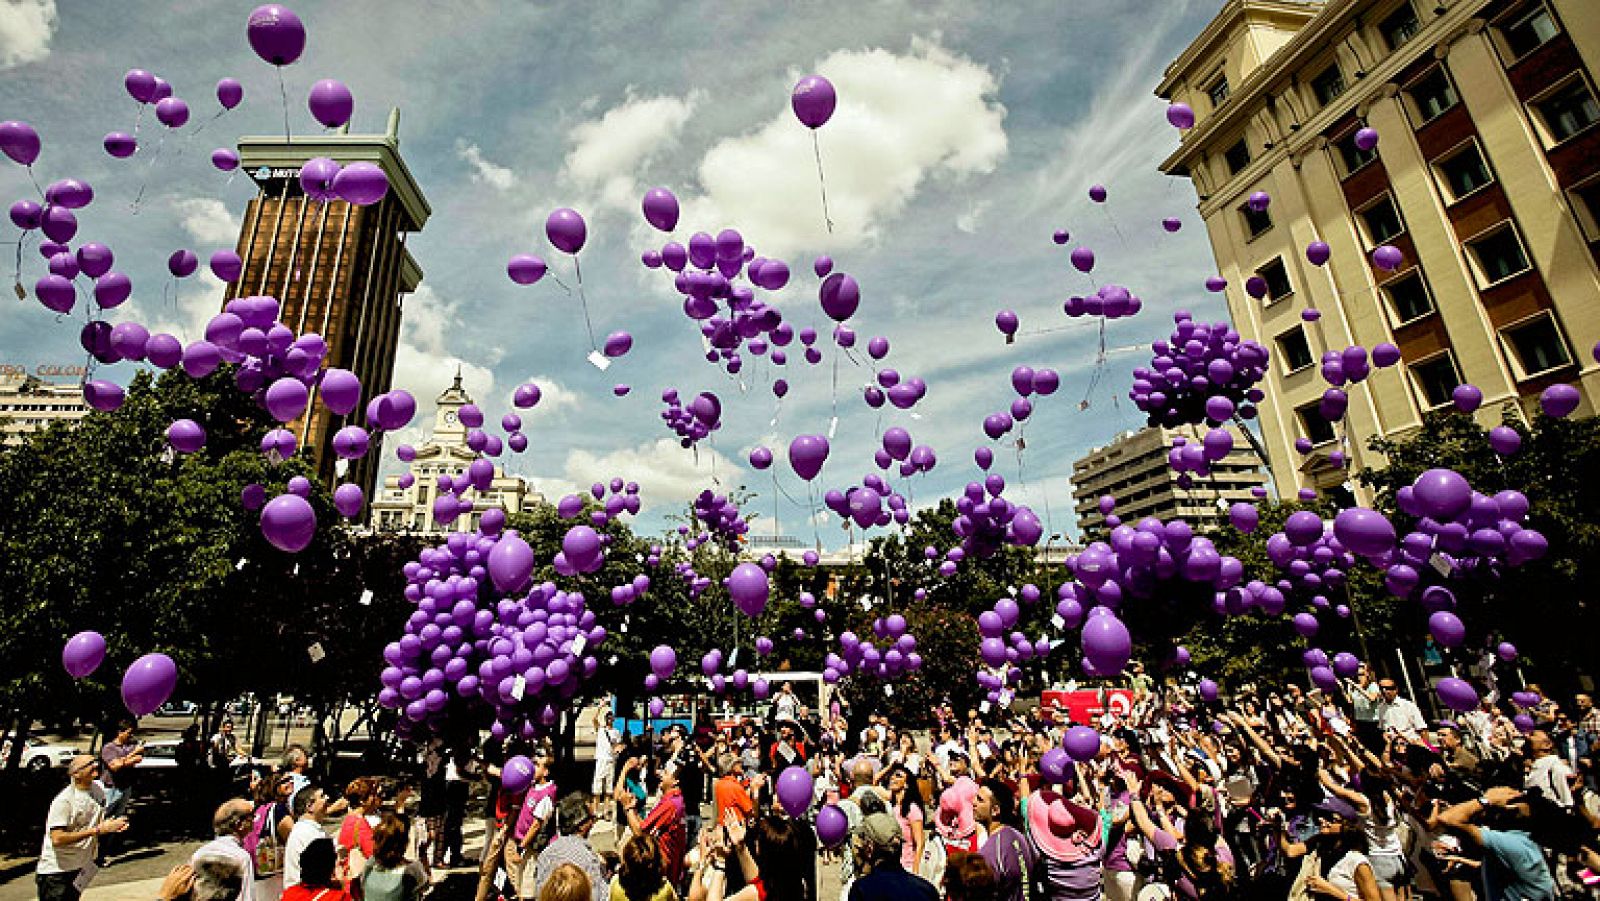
[[140, 85], [362, 184], [1082, 259], [1505, 440], [226, 265], [1457, 694], [661, 209], [1558, 401], [1081, 743], [289, 523], [186, 436], [840, 296], [813, 101], [1467, 398], [1318, 252], [229, 93], [19, 141], [182, 263], [1388, 257], [1097, 193], [148, 683], [316, 178], [566, 230], [807, 453], [83, 653], [172, 112], [120, 144], [275, 34], [1366, 138], [1180, 115], [832, 825], [795, 790], [331, 102]]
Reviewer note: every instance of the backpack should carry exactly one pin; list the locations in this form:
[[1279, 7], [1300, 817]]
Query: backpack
[[266, 852]]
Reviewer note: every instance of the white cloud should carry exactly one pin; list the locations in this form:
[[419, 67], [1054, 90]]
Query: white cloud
[[967, 222], [422, 365], [670, 474], [608, 153], [483, 171], [207, 220], [902, 119], [26, 27], [553, 396]]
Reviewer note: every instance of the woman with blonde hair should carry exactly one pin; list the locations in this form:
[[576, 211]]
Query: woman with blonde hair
[[567, 882]]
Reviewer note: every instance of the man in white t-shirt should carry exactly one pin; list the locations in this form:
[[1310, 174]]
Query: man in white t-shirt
[[1400, 715], [72, 829], [309, 805], [232, 822], [786, 706], [1549, 774], [607, 745]]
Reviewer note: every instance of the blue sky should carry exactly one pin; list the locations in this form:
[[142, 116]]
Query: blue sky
[[966, 134]]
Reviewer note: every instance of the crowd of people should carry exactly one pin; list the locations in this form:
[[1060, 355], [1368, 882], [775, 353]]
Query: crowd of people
[[1266, 793]]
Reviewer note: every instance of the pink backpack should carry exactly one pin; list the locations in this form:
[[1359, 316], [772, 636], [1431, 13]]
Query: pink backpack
[[262, 844]]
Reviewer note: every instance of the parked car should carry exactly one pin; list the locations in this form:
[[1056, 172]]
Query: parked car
[[162, 754], [39, 756], [177, 708]]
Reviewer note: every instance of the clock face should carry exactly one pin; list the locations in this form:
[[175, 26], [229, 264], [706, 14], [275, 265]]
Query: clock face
[[450, 417]]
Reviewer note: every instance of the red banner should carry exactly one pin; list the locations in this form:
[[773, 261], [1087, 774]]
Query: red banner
[[1087, 704]]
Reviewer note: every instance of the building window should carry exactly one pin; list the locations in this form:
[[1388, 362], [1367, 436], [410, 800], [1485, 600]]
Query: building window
[[1319, 430], [1408, 297], [1586, 206], [1353, 157], [1498, 255], [1328, 85], [1255, 221], [1536, 346], [1218, 92], [1567, 110], [1436, 378], [1400, 26], [1528, 30], [1432, 95], [1237, 157], [1277, 279], [1463, 171], [1381, 221], [1294, 350]]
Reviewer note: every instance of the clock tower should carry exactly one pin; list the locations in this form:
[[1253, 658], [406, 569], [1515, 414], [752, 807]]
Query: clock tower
[[447, 427]]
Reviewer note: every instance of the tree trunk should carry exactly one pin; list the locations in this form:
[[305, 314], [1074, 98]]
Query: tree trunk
[[19, 738]]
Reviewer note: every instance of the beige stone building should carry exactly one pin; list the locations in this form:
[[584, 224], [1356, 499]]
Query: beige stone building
[[1133, 468], [1486, 177], [410, 509], [29, 404]]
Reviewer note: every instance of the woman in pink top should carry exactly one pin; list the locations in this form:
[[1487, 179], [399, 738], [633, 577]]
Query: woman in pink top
[[905, 799]]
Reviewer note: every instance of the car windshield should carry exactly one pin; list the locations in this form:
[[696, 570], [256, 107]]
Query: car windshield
[[161, 750]]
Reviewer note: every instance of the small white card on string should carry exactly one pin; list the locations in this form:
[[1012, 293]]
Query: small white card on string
[[915, 415], [598, 360], [519, 686], [888, 690], [1441, 564], [866, 603], [297, 569], [1058, 622], [240, 565], [984, 707], [579, 643], [366, 597], [833, 426], [316, 652], [623, 628], [341, 467]]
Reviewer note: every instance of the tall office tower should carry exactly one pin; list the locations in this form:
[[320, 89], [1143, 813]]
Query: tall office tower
[[1133, 468], [339, 270], [1486, 177]]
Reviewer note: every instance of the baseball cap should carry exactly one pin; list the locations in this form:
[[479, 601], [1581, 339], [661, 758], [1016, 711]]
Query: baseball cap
[[880, 829]]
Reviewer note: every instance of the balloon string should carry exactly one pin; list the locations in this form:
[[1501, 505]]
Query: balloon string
[[16, 275], [137, 118], [1113, 221], [816, 147], [835, 386], [283, 93], [584, 302], [558, 281], [35, 180], [139, 198], [811, 514], [204, 124]]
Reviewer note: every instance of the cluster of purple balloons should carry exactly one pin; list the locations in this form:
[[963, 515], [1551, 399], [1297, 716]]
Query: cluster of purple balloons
[[1110, 301], [1201, 374], [1002, 647], [720, 516], [483, 635], [986, 520], [1458, 531], [692, 422], [872, 503], [896, 656], [897, 446]]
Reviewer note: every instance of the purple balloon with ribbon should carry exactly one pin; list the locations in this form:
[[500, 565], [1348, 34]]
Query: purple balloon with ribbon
[[148, 683], [813, 100]]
